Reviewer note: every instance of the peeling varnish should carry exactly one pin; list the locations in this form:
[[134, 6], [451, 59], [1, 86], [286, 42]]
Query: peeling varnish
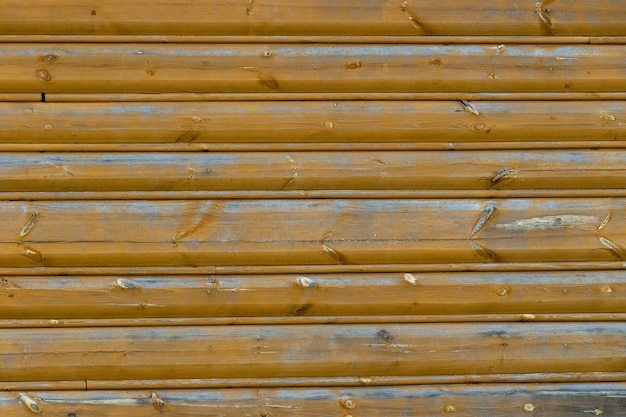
[[280, 406], [410, 278], [332, 253], [469, 107], [541, 13], [49, 58], [95, 401], [394, 347], [505, 174], [485, 216], [32, 404], [157, 401], [33, 254], [44, 75], [214, 285], [249, 7], [30, 223], [552, 222], [235, 289], [482, 251], [348, 403], [613, 247], [289, 180], [8, 284], [606, 221], [306, 282], [413, 20], [366, 380], [125, 284]]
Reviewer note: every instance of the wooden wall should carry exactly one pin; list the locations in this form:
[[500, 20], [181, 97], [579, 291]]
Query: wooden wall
[[332, 208]]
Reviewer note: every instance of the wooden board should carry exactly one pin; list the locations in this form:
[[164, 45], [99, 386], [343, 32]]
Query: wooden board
[[312, 350], [327, 17], [370, 295], [294, 68], [280, 171], [316, 122], [314, 232], [462, 400]]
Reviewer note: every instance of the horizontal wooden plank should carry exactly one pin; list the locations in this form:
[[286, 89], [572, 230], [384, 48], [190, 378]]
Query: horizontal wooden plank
[[107, 297], [312, 269], [464, 400], [302, 38], [354, 96], [313, 232], [285, 68], [314, 122], [369, 381], [308, 320], [299, 194], [328, 17], [310, 171], [312, 351]]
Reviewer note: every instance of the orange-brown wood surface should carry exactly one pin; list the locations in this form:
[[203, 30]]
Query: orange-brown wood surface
[[317, 122], [310, 171], [315, 232], [107, 297], [281, 68], [327, 17], [310, 350], [270, 208], [463, 400]]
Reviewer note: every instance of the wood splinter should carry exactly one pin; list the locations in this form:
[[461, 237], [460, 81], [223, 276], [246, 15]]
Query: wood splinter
[[542, 16], [404, 7], [613, 247], [469, 107], [157, 401], [487, 213], [505, 173], [332, 253], [125, 284], [30, 224], [31, 403]]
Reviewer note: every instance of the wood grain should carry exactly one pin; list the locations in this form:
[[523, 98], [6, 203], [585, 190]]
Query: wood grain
[[313, 350], [310, 171], [309, 232], [316, 122], [328, 17], [544, 293], [463, 400], [298, 68]]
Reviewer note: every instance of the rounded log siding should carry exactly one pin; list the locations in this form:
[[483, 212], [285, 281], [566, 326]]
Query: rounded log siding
[[268, 207]]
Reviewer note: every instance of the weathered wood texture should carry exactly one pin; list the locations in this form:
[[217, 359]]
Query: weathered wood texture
[[280, 171], [108, 297], [258, 202], [462, 400], [312, 350], [326, 232], [280, 68], [327, 17], [315, 122]]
